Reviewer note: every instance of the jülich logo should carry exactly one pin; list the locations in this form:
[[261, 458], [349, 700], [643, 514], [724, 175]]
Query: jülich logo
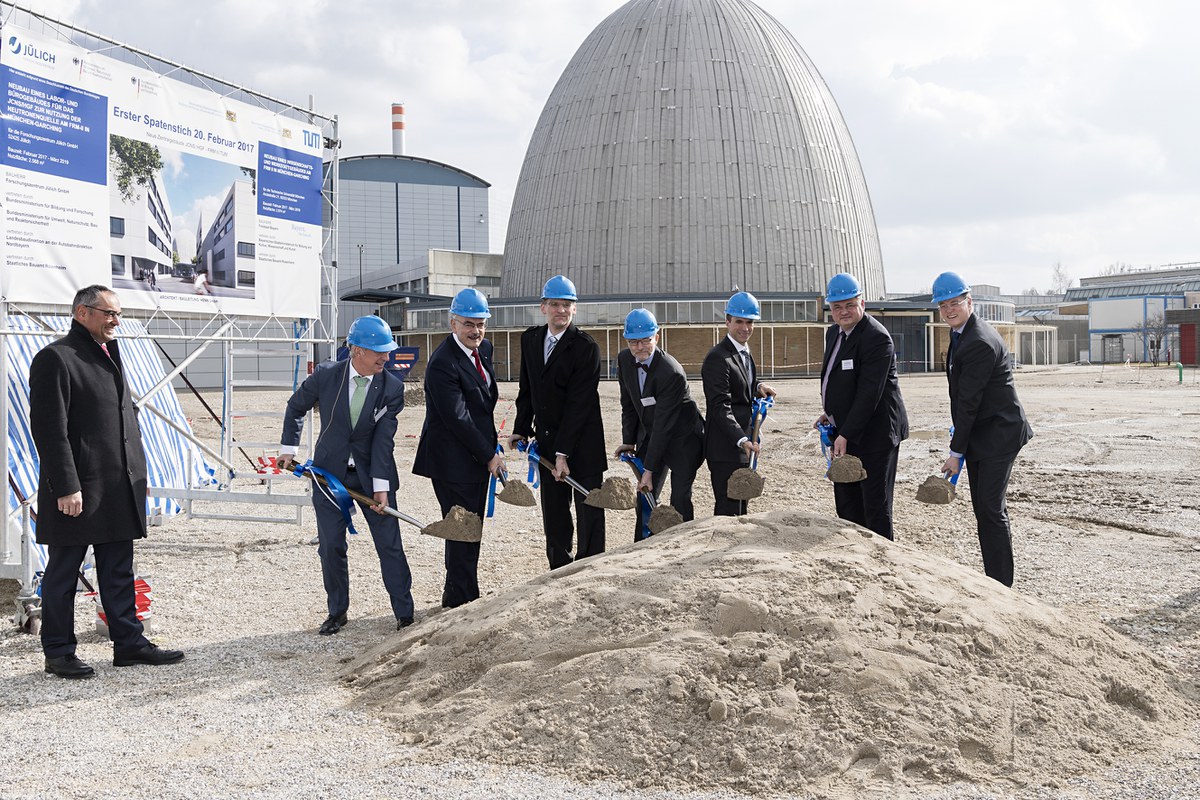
[[29, 51]]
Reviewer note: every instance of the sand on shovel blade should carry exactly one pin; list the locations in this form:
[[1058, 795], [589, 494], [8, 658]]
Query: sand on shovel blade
[[459, 525], [936, 490], [663, 518], [745, 484], [846, 469], [516, 493], [615, 493]]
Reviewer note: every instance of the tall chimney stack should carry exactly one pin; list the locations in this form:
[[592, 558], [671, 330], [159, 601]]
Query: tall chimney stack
[[397, 129]]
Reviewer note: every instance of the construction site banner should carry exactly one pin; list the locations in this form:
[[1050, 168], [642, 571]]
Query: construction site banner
[[175, 196]]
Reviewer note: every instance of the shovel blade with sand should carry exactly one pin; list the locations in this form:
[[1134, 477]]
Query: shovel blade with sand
[[515, 493], [459, 525], [615, 494], [745, 483], [663, 518], [936, 490], [846, 469]]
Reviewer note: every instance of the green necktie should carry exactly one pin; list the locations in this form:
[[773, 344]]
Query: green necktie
[[358, 398]]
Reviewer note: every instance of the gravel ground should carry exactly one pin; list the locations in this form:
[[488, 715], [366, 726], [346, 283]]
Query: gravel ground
[[1106, 523]]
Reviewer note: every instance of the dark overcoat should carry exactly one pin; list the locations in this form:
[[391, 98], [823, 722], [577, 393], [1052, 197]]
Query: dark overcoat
[[458, 438], [85, 428]]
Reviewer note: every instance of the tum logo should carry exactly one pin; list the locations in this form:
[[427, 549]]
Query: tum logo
[[312, 139]]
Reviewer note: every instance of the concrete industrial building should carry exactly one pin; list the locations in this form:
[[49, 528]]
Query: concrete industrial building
[[690, 147], [139, 228], [227, 253]]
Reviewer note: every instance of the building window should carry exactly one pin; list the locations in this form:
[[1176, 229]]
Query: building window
[[118, 264], [219, 255], [246, 250], [245, 277], [116, 226]]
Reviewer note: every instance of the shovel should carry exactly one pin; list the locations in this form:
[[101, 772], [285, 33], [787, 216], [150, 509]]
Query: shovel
[[614, 494], [660, 517], [937, 490], [745, 483], [515, 493]]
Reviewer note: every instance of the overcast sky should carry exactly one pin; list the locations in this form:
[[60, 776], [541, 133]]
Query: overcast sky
[[997, 138]]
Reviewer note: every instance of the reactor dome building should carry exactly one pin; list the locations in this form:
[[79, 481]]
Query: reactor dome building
[[690, 147]]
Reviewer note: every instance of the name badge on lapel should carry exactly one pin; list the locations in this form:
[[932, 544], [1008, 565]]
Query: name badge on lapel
[[379, 414], [648, 401], [847, 364]]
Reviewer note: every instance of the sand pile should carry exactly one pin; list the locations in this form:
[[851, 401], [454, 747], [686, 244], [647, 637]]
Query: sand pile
[[774, 652]]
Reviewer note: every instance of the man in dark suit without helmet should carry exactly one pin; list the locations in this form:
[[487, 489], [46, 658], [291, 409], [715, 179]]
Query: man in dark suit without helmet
[[91, 484]]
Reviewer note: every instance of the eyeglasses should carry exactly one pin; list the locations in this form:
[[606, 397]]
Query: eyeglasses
[[471, 325], [108, 313], [639, 342], [957, 302]]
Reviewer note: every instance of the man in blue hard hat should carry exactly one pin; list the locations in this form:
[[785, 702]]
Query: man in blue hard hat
[[558, 403], [860, 398], [359, 401], [990, 427], [660, 421], [731, 383], [457, 451]]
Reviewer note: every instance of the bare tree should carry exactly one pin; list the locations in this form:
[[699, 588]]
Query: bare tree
[[1154, 332], [1060, 281]]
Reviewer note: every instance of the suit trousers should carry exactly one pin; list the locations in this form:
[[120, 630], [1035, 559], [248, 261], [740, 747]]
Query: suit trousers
[[988, 479], [114, 575], [332, 547], [556, 519], [724, 506], [869, 501], [462, 558]]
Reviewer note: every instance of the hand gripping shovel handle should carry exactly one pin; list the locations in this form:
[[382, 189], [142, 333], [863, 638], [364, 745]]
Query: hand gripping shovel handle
[[370, 502], [574, 484], [637, 477], [756, 437]]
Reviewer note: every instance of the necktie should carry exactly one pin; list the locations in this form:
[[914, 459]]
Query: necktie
[[550, 342], [837, 346], [954, 335], [358, 398], [479, 365], [104, 347]]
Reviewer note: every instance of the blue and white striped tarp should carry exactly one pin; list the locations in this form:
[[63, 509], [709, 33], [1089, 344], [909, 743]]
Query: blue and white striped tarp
[[167, 451]]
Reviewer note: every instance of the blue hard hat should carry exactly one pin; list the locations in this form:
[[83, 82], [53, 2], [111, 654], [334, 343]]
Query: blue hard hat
[[743, 305], [842, 286], [640, 324], [371, 333], [949, 285], [559, 288], [470, 303]]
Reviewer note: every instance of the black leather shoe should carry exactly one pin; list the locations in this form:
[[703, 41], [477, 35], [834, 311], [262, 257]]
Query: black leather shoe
[[332, 625], [403, 623], [68, 667], [150, 654]]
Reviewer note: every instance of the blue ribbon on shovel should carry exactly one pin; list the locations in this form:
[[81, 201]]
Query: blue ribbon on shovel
[[758, 414], [962, 464], [530, 449], [333, 488], [827, 432], [491, 504], [646, 498]]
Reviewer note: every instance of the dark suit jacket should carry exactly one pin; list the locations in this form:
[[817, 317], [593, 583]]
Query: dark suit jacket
[[86, 432], [728, 393], [559, 401], [371, 441], [988, 419], [458, 438], [865, 400], [661, 430]]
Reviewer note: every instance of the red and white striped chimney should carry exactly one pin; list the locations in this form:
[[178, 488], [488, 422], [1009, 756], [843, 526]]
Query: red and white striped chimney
[[397, 129]]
